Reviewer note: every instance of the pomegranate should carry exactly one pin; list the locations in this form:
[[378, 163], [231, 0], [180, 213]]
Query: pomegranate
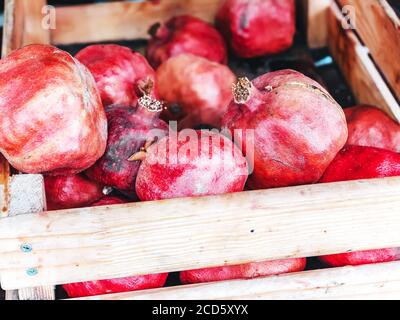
[[371, 127], [193, 163], [130, 130], [258, 27], [198, 91], [68, 192], [185, 34], [354, 163], [108, 201], [118, 71], [244, 271], [298, 128], [51, 117], [94, 288], [357, 163]]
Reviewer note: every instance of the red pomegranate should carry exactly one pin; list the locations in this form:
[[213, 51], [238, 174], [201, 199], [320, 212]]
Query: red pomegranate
[[130, 130], [68, 192], [192, 163], [354, 163], [51, 117], [357, 163], [371, 127], [298, 128], [94, 288], [244, 271], [258, 27], [108, 201], [197, 91], [118, 71], [185, 34]]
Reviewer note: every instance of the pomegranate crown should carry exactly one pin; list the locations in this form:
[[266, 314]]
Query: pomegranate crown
[[147, 101], [242, 90]]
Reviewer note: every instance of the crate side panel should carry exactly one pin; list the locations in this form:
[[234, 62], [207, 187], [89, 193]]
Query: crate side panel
[[184, 234]]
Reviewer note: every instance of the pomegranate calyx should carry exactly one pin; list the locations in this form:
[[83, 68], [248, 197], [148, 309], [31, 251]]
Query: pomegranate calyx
[[242, 90]]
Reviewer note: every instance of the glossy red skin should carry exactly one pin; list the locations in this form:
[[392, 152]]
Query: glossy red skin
[[51, 117], [68, 192], [257, 27], [244, 271], [361, 257], [186, 34], [201, 173], [94, 288], [371, 127], [298, 131], [129, 129], [356, 163], [108, 201], [201, 88], [118, 72]]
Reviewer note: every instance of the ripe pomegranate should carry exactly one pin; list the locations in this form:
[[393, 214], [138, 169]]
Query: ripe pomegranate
[[193, 163], [258, 27], [129, 130], [298, 128], [244, 271], [357, 163], [198, 91], [371, 127], [354, 163], [185, 34], [51, 117], [94, 288], [68, 192], [118, 71], [109, 200]]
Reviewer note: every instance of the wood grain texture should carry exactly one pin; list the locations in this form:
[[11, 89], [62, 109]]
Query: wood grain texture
[[316, 20], [122, 20], [361, 73], [4, 185], [23, 24], [27, 195], [379, 28], [184, 234], [378, 281]]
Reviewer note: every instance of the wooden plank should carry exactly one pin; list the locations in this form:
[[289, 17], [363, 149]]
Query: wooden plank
[[122, 20], [316, 19], [379, 28], [377, 281], [23, 24], [183, 234], [27, 195], [353, 59], [4, 183]]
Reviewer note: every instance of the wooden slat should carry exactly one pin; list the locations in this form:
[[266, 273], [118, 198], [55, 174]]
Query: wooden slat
[[122, 20], [378, 281], [362, 75], [379, 28], [27, 195], [4, 182], [316, 22], [184, 234], [23, 24]]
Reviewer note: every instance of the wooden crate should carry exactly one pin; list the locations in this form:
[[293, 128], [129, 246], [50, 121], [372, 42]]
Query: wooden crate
[[174, 235]]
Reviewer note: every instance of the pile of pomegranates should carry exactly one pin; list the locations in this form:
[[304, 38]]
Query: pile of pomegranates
[[105, 128]]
